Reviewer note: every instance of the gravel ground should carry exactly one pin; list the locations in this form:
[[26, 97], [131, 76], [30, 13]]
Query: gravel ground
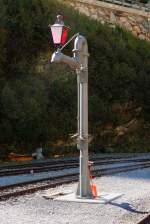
[[130, 208]]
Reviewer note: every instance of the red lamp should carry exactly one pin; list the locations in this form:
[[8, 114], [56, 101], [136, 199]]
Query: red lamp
[[59, 31]]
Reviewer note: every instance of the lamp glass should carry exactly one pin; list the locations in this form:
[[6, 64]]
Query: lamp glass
[[64, 35], [57, 31]]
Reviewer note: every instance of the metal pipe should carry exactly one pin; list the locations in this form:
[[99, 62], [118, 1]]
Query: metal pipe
[[58, 57], [81, 54], [79, 61]]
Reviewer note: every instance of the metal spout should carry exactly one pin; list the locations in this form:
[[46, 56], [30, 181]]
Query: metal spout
[[58, 57]]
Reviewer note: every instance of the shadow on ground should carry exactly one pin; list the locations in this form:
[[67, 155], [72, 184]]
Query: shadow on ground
[[127, 206]]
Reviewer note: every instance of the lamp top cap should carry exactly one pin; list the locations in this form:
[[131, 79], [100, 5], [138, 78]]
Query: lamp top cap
[[59, 17], [59, 20]]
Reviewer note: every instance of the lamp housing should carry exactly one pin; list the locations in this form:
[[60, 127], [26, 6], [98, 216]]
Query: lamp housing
[[59, 31]]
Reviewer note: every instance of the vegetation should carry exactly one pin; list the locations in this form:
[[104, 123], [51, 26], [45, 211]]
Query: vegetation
[[38, 100]]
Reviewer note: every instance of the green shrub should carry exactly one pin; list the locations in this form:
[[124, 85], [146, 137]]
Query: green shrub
[[38, 100]]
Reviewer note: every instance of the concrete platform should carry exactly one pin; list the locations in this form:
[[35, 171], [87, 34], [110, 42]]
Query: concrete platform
[[103, 198]]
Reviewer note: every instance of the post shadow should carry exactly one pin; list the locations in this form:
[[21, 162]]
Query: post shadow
[[127, 206]]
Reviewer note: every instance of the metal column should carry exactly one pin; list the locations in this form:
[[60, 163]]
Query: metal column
[[81, 52], [79, 61]]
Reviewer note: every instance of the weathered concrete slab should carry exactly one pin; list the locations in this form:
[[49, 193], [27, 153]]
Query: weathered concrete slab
[[103, 198]]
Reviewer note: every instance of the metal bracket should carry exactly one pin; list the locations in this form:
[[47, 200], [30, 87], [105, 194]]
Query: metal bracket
[[83, 69], [74, 36], [82, 76], [76, 135], [79, 51]]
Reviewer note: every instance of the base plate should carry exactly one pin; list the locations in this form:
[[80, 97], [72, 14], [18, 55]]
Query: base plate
[[103, 198]]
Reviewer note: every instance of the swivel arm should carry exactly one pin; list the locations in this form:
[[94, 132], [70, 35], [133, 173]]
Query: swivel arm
[[58, 57], [80, 55]]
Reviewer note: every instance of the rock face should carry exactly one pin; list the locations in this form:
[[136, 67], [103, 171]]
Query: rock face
[[135, 20]]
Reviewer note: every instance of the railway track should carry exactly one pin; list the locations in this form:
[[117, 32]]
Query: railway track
[[60, 165], [60, 161], [16, 190], [71, 160]]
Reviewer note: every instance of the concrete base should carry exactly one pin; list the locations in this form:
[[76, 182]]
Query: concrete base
[[102, 199]]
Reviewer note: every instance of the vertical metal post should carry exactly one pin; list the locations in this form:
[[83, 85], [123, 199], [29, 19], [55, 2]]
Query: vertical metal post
[[81, 54], [80, 63]]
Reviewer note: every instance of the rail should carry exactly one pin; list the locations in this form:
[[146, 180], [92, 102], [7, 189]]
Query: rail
[[29, 187], [50, 166], [130, 4]]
